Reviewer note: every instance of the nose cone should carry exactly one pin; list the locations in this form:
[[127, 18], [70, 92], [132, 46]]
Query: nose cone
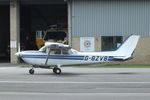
[[18, 54]]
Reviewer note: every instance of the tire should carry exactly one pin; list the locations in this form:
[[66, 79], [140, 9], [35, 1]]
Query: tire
[[31, 71], [54, 69], [57, 70]]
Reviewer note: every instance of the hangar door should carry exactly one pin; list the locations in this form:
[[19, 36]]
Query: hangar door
[[4, 33], [38, 18]]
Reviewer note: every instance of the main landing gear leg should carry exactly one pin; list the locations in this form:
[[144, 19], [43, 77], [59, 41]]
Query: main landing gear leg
[[57, 70]]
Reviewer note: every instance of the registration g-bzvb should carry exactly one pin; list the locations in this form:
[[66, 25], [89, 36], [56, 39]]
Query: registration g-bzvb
[[96, 58]]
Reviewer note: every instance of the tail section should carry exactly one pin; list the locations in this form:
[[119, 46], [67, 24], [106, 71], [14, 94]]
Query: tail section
[[126, 50]]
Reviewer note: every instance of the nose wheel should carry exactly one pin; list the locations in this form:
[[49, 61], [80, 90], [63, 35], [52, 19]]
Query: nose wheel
[[31, 71], [57, 70]]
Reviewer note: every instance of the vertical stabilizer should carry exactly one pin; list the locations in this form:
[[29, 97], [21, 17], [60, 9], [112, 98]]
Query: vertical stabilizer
[[127, 48]]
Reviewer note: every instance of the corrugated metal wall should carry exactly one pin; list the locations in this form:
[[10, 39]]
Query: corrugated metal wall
[[110, 17]]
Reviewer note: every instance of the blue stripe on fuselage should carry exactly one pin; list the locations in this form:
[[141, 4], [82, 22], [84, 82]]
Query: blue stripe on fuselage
[[70, 57], [65, 57]]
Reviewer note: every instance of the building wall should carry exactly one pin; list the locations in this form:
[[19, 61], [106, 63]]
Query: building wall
[[96, 18], [110, 17], [76, 43], [141, 54]]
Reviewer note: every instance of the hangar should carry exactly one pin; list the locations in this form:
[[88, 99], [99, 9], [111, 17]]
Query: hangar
[[22, 19], [92, 25]]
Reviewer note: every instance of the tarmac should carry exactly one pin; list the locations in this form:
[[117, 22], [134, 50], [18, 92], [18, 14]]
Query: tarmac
[[75, 83]]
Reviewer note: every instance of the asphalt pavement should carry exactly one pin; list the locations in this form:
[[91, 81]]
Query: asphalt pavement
[[74, 83]]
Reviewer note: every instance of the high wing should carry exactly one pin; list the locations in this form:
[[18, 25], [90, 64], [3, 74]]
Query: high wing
[[56, 46]]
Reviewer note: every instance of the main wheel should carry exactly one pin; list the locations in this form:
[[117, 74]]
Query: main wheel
[[57, 70], [31, 71]]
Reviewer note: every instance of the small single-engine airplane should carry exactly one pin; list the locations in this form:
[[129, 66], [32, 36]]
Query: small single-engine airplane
[[55, 55]]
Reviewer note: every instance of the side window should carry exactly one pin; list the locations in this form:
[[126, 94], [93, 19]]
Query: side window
[[65, 52], [55, 51]]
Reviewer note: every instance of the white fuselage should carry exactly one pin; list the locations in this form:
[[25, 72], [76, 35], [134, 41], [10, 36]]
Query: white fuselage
[[64, 55], [43, 59]]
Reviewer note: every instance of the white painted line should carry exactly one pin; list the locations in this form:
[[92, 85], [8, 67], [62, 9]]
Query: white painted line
[[46, 82], [89, 94]]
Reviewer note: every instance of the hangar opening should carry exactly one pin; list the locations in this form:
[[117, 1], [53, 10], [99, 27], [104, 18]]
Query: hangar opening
[[4, 33], [40, 23]]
